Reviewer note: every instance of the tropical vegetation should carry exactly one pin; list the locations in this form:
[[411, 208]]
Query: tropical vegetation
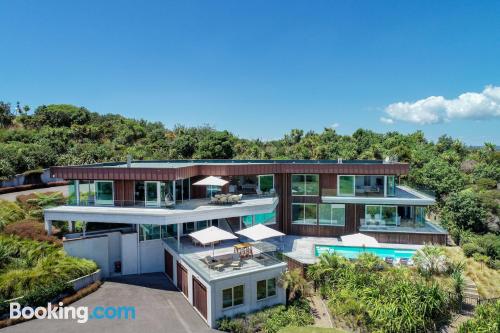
[[486, 319]]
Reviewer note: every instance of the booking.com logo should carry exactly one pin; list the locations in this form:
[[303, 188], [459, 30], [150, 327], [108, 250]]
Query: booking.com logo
[[80, 313]]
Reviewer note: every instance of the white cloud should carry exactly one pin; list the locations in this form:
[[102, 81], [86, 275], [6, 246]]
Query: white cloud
[[435, 109], [335, 125], [387, 120]]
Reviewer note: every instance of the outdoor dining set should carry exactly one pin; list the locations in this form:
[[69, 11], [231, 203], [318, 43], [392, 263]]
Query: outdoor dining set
[[224, 199]]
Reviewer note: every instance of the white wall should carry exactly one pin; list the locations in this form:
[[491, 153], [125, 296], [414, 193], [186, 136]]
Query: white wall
[[129, 254], [152, 257], [94, 248], [114, 249]]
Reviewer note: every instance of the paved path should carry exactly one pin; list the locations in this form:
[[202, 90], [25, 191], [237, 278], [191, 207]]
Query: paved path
[[160, 307], [12, 196]]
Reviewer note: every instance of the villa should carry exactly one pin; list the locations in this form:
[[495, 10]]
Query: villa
[[160, 209]]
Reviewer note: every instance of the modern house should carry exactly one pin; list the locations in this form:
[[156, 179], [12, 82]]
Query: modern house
[[156, 204]]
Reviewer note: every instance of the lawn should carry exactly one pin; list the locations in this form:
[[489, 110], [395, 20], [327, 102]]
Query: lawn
[[310, 329], [487, 279]]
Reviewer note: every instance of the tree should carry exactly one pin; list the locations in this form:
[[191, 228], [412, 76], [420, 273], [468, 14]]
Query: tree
[[296, 285], [6, 116], [216, 145], [464, 210]]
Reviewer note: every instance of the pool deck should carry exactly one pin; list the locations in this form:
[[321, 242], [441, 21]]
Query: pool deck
[[301, 248]]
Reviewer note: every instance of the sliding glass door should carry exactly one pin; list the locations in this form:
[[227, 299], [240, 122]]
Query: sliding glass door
[[152, 194]]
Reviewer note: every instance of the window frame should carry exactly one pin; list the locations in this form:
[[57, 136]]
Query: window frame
[[96, 201], [305, 184], [332, 206], [233, 305], [304, 213], [266, 288]]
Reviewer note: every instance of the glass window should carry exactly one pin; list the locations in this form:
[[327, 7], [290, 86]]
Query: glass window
[[149, 232], [168, 230], [264, 218], [266, 183], [389, 215], [332, 214], [312, 184], [420, 216], [87, 192], [187, 228], [304, 213], [266, 288], [104, 192], [201, 225], [232, 296], [391, 186], [152, 199], [261, 289], [305, 184], [139, 197], [346, 186], [72, 192], [298, 185], [372, 213], [227, 298]]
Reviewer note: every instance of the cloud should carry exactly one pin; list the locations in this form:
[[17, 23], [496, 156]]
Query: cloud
[[387, 120], [436, 109], [335, 125]]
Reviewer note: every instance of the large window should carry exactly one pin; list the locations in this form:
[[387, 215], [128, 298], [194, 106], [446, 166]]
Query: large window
[[346, 185], [391, 186], [264, 218], [304, 213], [232, 296], [332, 214], [104, 192], [266, 183], [383, 215], [155, 231], [305, 184], [266, 288], [420, 216], [72, 192]]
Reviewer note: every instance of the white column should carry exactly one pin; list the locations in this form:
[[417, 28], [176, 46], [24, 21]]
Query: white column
[[48, 226], [77, 192], [71, 226], [385, 186]]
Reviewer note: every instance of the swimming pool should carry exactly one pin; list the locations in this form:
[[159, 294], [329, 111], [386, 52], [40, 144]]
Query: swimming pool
[[355, 251]]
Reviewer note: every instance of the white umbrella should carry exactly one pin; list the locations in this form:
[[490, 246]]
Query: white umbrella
[[211, 181], [259, 232], [359, 240], [211, 235]]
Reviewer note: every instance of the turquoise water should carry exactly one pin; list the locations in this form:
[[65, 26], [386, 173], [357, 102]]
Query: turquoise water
[[354, 251]]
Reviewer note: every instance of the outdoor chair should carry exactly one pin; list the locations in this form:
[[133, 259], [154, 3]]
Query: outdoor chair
[[236, 262], [389, 260], [404, 261]]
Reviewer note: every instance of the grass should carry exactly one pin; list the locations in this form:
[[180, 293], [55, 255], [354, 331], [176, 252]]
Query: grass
[[310, 329], [486, 279]]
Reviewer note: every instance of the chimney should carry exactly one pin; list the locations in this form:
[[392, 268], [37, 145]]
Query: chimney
[[129, 161]]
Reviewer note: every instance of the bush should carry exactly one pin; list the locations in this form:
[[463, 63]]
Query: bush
[[471, 248], [31, 229], [486, 319], [269, 320], [9, 212]]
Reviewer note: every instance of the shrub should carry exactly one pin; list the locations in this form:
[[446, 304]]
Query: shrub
[[486, 319], [10, 212], [31, 229], [269, 320], [471, 248], [431, 260]]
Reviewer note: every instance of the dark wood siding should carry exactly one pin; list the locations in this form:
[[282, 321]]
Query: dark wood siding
[[328, 184], [408, 238], [124, 192], [182, 279], [169, 265], [200, 297]]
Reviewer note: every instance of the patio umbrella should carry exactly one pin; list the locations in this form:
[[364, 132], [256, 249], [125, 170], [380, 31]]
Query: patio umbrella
[[211, 181], [259, 232], [211, 235], [359, 240]]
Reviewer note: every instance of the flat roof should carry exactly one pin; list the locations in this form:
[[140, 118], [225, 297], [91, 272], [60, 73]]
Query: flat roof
[[171, 164]]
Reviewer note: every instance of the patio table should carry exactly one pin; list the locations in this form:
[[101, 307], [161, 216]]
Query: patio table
[[244, 250]]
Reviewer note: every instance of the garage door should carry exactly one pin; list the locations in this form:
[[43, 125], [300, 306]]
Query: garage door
[[169, 265], [200, 297], [182, 279]]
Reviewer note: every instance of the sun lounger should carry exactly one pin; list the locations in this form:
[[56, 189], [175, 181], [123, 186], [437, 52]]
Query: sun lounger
[[389, 260]]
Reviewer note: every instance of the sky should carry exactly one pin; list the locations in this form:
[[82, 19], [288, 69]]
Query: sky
[[263, 67]]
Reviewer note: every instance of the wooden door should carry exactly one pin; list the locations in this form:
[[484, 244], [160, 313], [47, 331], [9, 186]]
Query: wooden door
[[200, 297], [169, 265], [182, 279]]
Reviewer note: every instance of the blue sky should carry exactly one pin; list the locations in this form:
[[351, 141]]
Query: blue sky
[[261, 68]]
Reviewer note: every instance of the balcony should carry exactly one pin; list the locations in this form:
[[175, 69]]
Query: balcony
[[186, 211]]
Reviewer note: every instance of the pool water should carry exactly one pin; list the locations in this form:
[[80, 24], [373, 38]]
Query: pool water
[[353, 252]]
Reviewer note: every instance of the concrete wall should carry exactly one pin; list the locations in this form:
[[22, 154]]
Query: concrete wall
[[114, 249], [151, 254], [95, 248], [250, 293], [129, 254]]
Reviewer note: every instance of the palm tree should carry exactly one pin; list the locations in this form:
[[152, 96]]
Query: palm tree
[[295, 284]]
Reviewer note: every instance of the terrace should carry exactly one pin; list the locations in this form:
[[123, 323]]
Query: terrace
[[221, 261]]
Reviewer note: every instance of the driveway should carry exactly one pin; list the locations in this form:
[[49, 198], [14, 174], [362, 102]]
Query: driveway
[[159, 307], [12, 196]]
